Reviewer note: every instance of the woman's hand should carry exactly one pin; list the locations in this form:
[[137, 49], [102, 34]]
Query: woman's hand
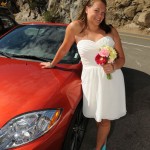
[[108, 68], [46, 65]]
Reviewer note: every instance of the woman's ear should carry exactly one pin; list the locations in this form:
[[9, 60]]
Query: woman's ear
[[86, 9]]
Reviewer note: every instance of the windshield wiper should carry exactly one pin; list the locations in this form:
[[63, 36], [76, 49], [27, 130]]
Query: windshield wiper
[[31, 57], [5, 54]]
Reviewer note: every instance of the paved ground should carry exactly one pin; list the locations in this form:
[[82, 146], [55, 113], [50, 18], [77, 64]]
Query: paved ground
[[137, 51], [131, 132]]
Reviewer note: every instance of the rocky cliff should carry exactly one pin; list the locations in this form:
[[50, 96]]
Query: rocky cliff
[[133, 14], [129, 13]]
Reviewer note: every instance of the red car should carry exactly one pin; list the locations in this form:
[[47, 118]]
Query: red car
[[40, 109]]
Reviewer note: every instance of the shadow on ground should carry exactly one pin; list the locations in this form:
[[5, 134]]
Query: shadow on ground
[[131, 132]]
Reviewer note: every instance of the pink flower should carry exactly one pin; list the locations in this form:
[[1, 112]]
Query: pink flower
[[104, 52]]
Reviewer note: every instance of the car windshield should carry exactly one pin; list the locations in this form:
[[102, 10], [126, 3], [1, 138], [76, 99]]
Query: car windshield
[[38, 42]]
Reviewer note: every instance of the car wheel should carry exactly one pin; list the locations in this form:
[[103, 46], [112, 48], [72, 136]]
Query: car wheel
[[76, 130]]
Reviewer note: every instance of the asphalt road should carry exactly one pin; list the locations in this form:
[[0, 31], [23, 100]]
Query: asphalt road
[[137, 51], [131, 132]]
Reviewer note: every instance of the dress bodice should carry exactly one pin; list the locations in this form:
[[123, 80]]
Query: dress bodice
[[88, 49]]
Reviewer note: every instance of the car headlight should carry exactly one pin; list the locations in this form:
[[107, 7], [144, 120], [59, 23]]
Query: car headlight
[[27, 127]]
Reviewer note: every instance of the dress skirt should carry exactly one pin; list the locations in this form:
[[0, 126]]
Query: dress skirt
[[103, 98]]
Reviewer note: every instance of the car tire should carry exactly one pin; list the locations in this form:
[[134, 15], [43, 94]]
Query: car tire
[[76, 130]]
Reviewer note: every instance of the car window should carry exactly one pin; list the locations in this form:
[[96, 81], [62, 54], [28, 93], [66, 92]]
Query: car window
[[6, 22], [6, 11], [40, 41]]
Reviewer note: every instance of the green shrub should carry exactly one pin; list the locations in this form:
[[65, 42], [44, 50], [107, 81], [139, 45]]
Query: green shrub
[[33, 5], [47, 16], [51, 16]]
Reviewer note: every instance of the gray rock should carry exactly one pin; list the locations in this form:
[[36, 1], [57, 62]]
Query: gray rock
[[122, 3], [119, 12], [144, 19], [130, 11]]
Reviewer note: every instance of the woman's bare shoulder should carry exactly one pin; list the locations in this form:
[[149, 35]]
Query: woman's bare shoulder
[[114, 32], [76, 26]]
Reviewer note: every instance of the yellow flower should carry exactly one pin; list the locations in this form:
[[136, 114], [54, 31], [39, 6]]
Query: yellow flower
[[112, 54]]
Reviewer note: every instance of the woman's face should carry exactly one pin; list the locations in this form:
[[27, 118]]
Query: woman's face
[[96, 13]]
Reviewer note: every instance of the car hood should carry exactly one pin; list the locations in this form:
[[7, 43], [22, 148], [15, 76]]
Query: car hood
[[25, 86]]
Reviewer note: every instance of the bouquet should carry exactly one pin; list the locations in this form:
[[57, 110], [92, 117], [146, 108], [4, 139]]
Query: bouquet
[[106, 55]]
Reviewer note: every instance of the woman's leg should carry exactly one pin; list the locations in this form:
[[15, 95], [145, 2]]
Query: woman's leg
[[103, 129]]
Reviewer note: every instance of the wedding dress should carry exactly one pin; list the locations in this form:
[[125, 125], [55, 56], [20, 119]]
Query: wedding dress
[[102, 98]]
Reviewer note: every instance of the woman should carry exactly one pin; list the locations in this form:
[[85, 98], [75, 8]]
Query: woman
[[103, 99]]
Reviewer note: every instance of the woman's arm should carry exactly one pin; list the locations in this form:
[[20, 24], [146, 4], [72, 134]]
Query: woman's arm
[[69, 39], [120, 61]]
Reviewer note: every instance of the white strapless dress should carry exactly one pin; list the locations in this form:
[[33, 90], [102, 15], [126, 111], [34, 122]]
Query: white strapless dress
[[102, 98]]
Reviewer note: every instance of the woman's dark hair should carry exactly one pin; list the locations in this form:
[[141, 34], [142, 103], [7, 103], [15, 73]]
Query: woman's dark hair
[[83, 16]]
